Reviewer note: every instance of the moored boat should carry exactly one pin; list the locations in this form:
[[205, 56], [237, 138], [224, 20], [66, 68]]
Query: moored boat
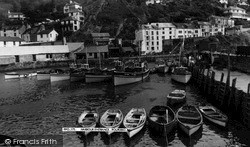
[[88, 119], [97, 75], [134, 74], [176, 96], [11, 75], [111, 119], [43, 75], [77, 75], [134, 121], [181, 75], [162, 119], [161, 66], [214, 115], [59, 75], [189, 119]]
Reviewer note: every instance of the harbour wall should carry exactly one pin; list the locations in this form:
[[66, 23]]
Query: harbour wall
[[232, 101]]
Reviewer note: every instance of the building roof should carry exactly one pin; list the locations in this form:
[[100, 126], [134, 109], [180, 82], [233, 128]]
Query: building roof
[[184, 26], [97, 35], [73, 46], [10, 39], [72, 3], [235, 8], [31, 50], [46, 31], [33, 30], [128, 49], [15, 13], [93, 49], [12, 27]]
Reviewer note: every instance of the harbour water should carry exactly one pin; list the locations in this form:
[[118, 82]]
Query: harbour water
[[32, 107]]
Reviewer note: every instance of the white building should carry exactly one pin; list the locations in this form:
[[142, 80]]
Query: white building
[[12, 31], [209, 29], [150, 36], [224, 1], [75, 16], [15, 15], [184, 30], [47, 36], [10, 41], [153, 2], [237, 13], [222, 21]]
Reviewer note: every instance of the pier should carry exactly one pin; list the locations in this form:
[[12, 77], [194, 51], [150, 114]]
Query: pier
[[228, 98]]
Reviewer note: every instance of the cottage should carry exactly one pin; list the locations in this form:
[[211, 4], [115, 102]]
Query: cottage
[[93, 52], [47, 36], [237, 13], [30, 35], [12, 31], [15, 16], [101, 38], [10, 41]]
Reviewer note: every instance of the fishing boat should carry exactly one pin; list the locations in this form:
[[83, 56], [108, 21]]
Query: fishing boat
[[97, 75], [179, 73], [59, 75], [77, 75], [162, 119], [11, 75], [161, 66], [134, 121], [138, 72], [214, 115], [111, 119], [88, 119], [189, 119], [176, 96], [43, 75]]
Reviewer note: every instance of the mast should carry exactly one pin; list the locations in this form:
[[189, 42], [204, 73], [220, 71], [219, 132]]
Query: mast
[[182, 46]]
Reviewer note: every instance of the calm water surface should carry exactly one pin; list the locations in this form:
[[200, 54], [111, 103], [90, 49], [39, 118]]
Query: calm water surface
[[29, 106]]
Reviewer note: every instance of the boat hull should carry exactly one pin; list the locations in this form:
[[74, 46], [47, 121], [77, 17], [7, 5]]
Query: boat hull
[[181, 78], [59, 77], [218, 122], [173, 101], [123, 79], [43, 76], [77, 77], [131, 133], [97, 78], [11, 76], [189, 131], [162, 69]]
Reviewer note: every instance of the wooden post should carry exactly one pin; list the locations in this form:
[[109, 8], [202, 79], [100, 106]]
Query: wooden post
[[211, 84], [206, 82], [248, 89], [219, 86], [231, 99]]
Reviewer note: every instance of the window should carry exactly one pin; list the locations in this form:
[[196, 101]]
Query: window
[[75, 27], [4, 30], [47, 35], [50, 35], [17, 59], [170, 28], [157, 24], [19, 42], [163, 32], [49, 56], [152, 32], [95, 55], [157, 43], [196, 31], [4, 35], [152, 48], [34, 57], [14, 43], [4, 43], [90, 54], [163, 37], [157, 37], [152, 37], [152, 43], [147, 48], [180, 31], [157, 48], [75, 21], [157, 33], [147, 43], [170, 37], [41, 35], [170, 32], [147, 37], [146, 32], [14, 34]]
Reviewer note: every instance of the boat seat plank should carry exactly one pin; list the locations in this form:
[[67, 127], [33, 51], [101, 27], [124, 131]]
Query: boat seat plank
[[184, 117]]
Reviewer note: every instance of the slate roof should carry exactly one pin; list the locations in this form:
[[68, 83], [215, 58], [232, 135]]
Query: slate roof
[[10, 39], [93, 49]]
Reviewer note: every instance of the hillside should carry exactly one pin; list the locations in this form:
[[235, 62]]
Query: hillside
[[118, 17]]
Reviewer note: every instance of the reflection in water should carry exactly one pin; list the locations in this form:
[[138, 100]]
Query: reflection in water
[[41, 107]]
